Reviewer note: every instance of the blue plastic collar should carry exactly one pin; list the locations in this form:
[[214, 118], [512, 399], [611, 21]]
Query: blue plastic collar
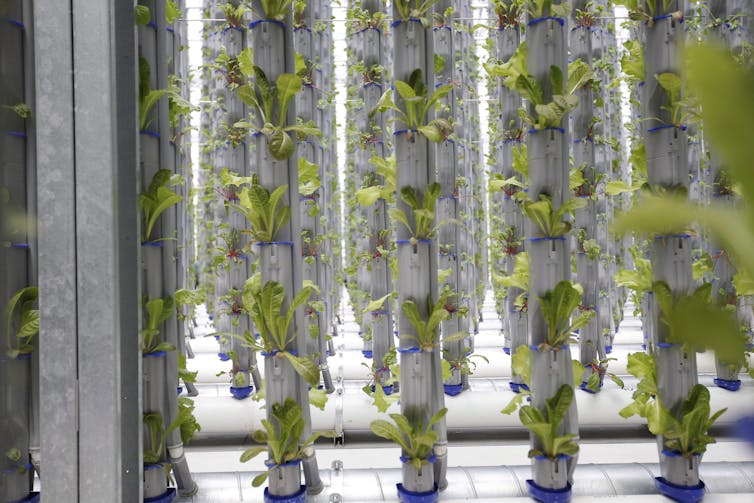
[[408, 350], [298, 497], [153, 134], [549, 495], [242, 392], [538, 20], [558, 129], [14, 133], [453, 389], [666, 126], [223, 357], [609, 349], [165, 498], [507, 351], [31, 498], [406, 496], [729, 384], [684, 494], [271, 21], [388, 390], [156, 354], [517, 387], [411, 20], [367, 353], [270, 243]]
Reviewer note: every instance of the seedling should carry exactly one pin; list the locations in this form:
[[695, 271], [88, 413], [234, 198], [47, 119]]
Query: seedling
[[416, 440], [283, 438], [508, 12], [599, 371]]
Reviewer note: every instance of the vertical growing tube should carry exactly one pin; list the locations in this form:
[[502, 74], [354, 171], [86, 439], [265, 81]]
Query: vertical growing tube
[[668, 169], [591, 342], [272, 41], [16, 474], [550, 257]]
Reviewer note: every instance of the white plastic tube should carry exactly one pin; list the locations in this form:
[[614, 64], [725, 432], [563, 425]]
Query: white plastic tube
[[472, 411]]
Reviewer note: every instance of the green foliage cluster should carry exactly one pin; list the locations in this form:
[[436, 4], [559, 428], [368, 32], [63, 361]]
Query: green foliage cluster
[[417, 103], [283, 438], [416, 440], [544, 424], [22, 321]]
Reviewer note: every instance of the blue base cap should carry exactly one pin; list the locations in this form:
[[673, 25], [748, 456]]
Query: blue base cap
[[179, 390], [165, 498], [608, 349], [298, 497], [217, 337], [684, 494], [453, 389], [549, 495], [406, 496], [211, 318], [507, 351], [31, 498], [240, 393], [730, 385], [517, 387], [223, 357], [387, 389], [367, 353]]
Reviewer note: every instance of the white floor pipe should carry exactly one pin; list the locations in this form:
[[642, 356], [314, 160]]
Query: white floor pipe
[[472, 411]]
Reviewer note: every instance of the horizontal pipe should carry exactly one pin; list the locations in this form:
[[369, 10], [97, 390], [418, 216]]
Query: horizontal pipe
[[729, 482], [473, 414], [348, 364]]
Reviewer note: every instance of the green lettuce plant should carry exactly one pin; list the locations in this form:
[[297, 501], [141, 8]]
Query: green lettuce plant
[[690, 319], [551, 221], [372, 191], [157, 312], [427, 331], [521, 366], [234, 14], [283, 438], [22, 321], [544, 425], [681, 110], [417, 102], [541, 8], [423, 209], [265, 305], [265, 211], [547, 115], [157, 198], [647, 10], [508, 12], [416, 440], [415, 9], [557, 307], [687, 435], [270, 105]]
